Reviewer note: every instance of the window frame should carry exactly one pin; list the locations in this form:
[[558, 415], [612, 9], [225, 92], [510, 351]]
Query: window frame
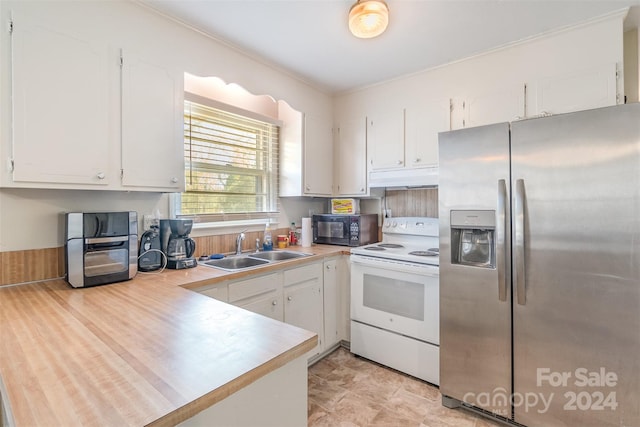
[[218, 220]]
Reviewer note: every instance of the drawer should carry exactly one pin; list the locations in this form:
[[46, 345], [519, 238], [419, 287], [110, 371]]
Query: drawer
[[302, 274], [254, 286]]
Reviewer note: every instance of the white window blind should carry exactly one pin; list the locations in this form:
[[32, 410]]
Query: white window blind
[[230, 164]]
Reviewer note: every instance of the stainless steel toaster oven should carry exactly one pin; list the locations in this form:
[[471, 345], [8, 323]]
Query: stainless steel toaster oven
[[100, 248]]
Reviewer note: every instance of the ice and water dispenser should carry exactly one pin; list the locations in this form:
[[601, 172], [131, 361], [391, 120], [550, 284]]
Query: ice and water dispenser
[[473, 238]]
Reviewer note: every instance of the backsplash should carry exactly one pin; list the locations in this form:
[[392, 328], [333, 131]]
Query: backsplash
[[31, 265], [44, 264], [413, 202]]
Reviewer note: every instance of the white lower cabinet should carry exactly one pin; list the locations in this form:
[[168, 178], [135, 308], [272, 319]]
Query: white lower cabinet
[[219, 291], [308, 296], [331, 301], [303, 305], [262, 295]]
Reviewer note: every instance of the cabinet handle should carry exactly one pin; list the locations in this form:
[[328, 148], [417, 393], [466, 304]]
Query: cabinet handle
[[289, 298], [274, 302], [101, 175], [174, 180]]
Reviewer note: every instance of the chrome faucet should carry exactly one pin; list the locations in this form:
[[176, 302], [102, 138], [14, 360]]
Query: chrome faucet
[[239, 240]]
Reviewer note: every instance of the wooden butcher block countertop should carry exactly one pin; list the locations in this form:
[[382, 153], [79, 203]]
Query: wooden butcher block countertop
[[142, 352]]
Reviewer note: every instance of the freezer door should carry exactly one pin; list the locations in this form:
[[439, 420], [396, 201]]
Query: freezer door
[[576, 203], [475, 302]]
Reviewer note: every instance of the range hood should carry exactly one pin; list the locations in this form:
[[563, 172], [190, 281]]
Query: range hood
[[418, 177]]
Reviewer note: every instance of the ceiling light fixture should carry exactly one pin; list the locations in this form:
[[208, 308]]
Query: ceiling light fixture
[[368, 18]]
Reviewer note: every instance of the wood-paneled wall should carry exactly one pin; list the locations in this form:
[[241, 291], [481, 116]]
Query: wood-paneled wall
[[43, 264], [413, 202]]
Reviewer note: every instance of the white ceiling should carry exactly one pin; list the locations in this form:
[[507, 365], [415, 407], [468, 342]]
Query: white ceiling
[[310, 39]]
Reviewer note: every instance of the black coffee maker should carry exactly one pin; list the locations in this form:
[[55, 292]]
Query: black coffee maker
[[176, 243]]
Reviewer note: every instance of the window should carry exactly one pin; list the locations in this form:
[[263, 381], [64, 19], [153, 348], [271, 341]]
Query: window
[[230, 163]]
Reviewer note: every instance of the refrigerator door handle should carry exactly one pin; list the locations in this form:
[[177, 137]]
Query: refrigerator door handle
[[519, 242], [501, 231]]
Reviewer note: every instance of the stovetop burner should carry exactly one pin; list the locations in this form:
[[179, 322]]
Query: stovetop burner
[[412, 240], [390, 245], [424, 253]]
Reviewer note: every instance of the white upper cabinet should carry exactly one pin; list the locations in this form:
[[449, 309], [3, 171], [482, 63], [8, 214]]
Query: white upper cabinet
[[86, 116], [424, 119], [318, 157], [152, 131], [501, 105], [385, 139], [60, 106], [306, 155], [579, 90], [351, 156]]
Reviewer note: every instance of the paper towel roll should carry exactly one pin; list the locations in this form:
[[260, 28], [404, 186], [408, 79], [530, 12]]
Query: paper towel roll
[[307, 235]]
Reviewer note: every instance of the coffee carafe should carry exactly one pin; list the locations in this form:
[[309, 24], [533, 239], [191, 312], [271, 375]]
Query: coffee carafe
[[176, 243]]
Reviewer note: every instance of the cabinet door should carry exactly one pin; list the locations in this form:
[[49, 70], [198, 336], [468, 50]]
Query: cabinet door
[[503, 105], [385, 139], [219, 292], [60, 105], [424, 118], [261, 294], [303, 303], [580, 90], [269, 305], [331, 304], [303, 308], [318, 157], [152, 129], [351, 156]]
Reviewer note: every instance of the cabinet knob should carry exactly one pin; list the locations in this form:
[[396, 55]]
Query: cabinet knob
[[274, 302], [307, 188], [101, 175], [362, 190], [289, 298], [418, 160], [399, 162], [174, 180]]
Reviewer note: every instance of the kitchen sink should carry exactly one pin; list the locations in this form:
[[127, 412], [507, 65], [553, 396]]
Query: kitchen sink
[[278, 255], [235, 263], [242, 262]]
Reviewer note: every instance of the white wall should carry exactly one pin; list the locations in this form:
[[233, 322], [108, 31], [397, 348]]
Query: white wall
[[29, 219], [571, 50]]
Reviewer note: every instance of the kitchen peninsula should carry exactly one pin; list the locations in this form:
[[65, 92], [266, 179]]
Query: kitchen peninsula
[[148, 352]]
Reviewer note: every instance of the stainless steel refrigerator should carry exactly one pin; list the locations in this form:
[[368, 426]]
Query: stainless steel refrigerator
[[540, 269]]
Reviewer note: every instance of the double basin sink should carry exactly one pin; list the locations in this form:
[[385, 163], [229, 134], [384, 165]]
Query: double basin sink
[[257, 259]]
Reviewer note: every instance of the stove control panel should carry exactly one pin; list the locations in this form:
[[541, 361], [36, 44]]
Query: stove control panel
[[421, 226]]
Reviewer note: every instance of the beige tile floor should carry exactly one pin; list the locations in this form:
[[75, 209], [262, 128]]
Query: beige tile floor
[[348, 391]]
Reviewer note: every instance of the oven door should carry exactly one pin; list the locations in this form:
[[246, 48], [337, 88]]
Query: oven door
[[396, 296]]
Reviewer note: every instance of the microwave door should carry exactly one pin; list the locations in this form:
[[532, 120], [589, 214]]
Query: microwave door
[[333, 231]]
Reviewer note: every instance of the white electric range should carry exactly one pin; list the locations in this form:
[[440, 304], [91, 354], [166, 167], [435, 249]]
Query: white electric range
[[395, 317]]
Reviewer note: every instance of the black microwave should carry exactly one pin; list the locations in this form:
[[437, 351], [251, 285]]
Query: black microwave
[[345, 230]]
